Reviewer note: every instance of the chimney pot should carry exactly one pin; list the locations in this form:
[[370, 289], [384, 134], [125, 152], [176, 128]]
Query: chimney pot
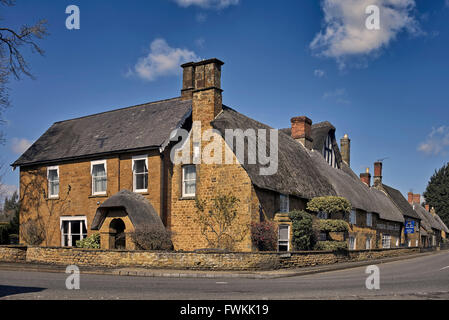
[[366, 177], [417, 198], [202, 75], [302, 131]]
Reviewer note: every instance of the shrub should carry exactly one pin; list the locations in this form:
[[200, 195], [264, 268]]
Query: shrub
[[91, 242], [264, 235], [4, 233], [13, 239], [33, 233], [331, 245], [330, 205], [332, 225], [151, 237], [304, 236]]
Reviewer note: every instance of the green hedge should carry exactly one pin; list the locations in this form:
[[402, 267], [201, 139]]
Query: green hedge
[[92, 242], [304, 237], [332, 225], [331, 245], [330, 205]]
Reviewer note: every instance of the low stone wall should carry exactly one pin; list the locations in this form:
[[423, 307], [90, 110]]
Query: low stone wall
[[191, 260], [13, 253], [154, 259]]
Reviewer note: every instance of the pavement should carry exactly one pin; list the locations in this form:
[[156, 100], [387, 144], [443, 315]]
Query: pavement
[[425, 276], [173, 273]]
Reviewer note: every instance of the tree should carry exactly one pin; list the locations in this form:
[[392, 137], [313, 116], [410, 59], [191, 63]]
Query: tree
[[330, 205], [218, 222], [12, 61], [437, 193], [11, 209], [304, 235]]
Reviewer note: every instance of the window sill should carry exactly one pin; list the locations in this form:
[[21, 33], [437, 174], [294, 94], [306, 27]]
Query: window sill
[[53, 198], [187, 198], [142, 192], [98, 196]]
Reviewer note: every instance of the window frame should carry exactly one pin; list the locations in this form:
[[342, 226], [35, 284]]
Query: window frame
[[353, 213], [368, 241], [92, 164], [134, 159], [329, 152], [69, 233], [386, 237], [354, 243], [183, 181], [53, 168], [369, 219], [286, 201], [284, 241]]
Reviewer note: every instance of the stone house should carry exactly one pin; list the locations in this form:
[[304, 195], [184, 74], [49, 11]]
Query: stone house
[[113, 171]]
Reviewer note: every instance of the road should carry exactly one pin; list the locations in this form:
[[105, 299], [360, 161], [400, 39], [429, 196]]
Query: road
[[424, 277]]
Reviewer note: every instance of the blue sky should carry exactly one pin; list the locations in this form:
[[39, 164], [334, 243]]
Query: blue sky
[[387, 89]]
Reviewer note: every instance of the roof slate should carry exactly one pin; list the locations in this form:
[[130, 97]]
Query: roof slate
[[143, 126]]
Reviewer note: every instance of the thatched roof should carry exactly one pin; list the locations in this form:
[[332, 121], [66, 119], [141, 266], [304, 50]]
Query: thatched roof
[[431, 221], [138, 209], [443, 225], [386, 209], [401, 202], [296, 174], [425, 223], [134, 128]]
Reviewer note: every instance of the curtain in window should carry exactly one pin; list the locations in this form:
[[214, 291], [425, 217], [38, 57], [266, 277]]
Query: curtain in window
[[141, 174], [99, 178], [53, 182]]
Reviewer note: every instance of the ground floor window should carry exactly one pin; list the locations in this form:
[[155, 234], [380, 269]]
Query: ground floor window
[[368, 243], [72, 229], [284, 238], [352, 243], [386, 241]]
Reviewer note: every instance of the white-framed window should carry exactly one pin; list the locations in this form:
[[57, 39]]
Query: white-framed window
[[352, 217], [72, 229], [140, 173], [368, 243], [352, 243], [99, 177], [329, 153], [416, 243], [189, 180], [369, 219], [284, 237], [284, 203], [322, 215], [53, 182], [397, 242], [409, 243], [386, 241]]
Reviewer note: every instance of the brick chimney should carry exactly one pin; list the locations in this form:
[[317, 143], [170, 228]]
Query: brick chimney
[[428, 207], [366, 177], [417, 198], [345, 149], [410, 197], [201, 83], [377, 174], [302, 131]]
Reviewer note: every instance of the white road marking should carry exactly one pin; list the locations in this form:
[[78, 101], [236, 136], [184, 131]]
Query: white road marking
[[444, 268], [221, 282]]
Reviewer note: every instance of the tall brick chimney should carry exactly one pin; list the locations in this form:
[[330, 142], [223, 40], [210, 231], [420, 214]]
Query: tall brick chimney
[[302, 131], [417, 198], [410, 197], [377, 174], [366, 177], [345, 149], [201, 83], [428, 207]]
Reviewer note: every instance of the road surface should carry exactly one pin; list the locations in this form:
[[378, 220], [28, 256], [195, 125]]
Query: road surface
[[425, 277]]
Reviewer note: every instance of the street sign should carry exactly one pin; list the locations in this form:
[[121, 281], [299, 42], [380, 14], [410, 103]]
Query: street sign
[[409, 227]]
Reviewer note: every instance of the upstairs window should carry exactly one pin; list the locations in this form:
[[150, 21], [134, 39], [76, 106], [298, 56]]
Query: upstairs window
[[369, 219], [53, 182], [284, 203], [329, 153], [99, 177], [189, 181], [352, 217], [140, 174]]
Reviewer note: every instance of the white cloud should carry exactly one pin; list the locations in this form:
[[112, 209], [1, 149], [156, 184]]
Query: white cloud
[[200, 42], [437, 141], [162, 60], [344, 33], [19, 146], [207, 4], [319, 73], [6, 191]]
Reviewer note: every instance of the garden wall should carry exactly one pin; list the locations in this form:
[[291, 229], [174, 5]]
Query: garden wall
[[190, 260]]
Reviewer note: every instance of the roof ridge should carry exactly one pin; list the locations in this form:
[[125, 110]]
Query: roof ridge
[[119, 109]]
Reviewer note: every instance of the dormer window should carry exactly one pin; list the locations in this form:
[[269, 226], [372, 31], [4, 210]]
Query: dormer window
[[329, 153]]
